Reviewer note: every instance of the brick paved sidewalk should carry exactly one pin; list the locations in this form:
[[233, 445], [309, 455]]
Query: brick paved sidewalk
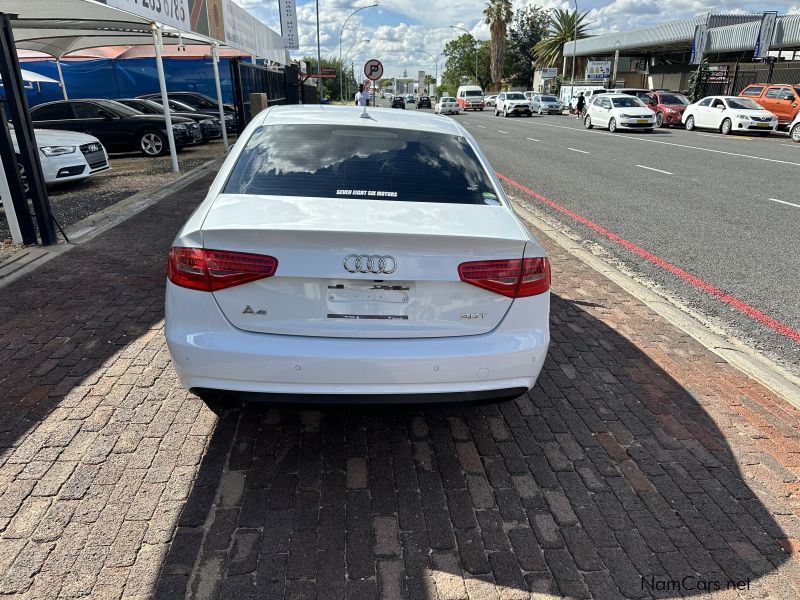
[[639, 464]]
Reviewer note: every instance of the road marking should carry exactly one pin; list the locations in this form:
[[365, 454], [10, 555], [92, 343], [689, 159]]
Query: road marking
[[707, 135], [790, 145], [785, 202], [576, 150], [533, 140], [482, 126], [653, 169], [641, 139], [501, 131], [693, 280]]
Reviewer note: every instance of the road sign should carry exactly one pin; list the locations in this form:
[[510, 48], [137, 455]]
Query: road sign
[[373, 69]]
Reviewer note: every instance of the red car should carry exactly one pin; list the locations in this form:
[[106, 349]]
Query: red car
[[668, 106]]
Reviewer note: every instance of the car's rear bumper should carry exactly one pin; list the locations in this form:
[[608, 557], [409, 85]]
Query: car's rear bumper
[[208, 352]]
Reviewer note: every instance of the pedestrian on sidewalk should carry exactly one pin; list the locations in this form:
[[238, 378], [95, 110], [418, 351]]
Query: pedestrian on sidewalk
[[580, 105]]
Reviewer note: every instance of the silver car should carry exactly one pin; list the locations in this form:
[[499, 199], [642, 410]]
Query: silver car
[[545, 104]]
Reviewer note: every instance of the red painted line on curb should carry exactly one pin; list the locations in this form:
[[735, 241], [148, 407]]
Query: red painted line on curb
[[693, 280]]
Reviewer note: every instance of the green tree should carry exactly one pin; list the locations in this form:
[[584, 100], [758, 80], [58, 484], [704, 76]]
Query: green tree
[[460, 65], [497, 15], [561, 29], [330, 87], [527, 29], [698, 80]]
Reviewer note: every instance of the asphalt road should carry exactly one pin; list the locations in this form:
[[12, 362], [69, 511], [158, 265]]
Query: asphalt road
[[722, 209]]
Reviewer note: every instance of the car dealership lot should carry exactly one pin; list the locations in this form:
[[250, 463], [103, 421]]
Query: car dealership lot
[[723, 209], [129, 174], [638, 459]]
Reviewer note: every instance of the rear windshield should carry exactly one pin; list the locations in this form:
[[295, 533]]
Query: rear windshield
[[632, 102], [360, 162]]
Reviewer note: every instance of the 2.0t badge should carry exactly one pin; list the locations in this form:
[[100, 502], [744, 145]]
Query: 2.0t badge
[[364, 263]]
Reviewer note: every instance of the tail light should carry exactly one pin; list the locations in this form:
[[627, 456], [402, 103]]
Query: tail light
[[515, 278], [212, 270]]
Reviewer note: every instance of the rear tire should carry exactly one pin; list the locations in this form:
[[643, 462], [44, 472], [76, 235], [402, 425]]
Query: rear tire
[[726, 127], [612, 126], [587, 122], [794, 134], [690, 123]]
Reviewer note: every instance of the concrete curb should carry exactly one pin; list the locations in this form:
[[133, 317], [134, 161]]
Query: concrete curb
[[732, 350], [31, 258]]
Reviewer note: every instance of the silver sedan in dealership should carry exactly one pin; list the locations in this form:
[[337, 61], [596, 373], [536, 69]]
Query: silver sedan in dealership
[[338, 258]]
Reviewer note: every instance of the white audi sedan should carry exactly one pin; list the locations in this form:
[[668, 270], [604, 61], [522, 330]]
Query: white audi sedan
[[341, 258], [68, 155], [729, 114], [618, 111]]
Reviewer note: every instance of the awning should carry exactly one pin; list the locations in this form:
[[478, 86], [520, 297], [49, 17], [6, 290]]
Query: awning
[[34, 77]]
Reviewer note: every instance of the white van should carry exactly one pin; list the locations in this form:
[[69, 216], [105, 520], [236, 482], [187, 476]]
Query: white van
[[470, 97], [588, 93]]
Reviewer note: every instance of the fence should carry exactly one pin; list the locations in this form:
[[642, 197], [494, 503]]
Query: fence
[[744, 74], [281, 87]]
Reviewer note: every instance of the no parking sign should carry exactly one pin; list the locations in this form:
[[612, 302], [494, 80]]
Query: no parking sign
[[373, 69]]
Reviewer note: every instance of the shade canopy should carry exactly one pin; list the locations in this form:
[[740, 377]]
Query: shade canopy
[[34, 77], [59, 28]]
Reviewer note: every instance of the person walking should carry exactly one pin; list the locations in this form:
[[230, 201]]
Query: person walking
[[362, 96], [580, 105]]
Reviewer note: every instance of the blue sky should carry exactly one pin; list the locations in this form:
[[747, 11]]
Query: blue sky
[[397, 29]]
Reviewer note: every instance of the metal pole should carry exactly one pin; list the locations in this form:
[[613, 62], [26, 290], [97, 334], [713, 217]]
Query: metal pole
[[162, 83], [61, 79], [215, 63], [319, 60], [574, 51], [614, 76]]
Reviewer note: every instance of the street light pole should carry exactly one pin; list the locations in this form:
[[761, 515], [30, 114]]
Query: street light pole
[[341, 31], [574, 51], [474, 39], [345, 60], [436, 64]]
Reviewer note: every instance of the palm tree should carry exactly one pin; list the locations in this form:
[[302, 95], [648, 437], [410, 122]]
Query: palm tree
[[561, 29], [498, 14]]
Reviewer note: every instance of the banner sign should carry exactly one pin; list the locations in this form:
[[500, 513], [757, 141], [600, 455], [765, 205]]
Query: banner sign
[[699, 44], [549, 73], [598, 69], [174, 13], [764, 38], [291, 40]]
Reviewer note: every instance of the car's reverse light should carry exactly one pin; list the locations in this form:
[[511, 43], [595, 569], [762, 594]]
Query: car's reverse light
[[515, 278], [212, 270]]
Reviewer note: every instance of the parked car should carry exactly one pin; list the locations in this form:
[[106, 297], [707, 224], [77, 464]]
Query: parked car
[[424, 102], [383, 263], [447, 104], [470, 97], [618, 111], [201, 103], [545, 104], [794, 129], [67, 155], [118, 127], [729, 114], [781, 99], [398, 102], [490, 101], [668, 106], [643, 95], [209, 126], [410, 99], [512, 103]]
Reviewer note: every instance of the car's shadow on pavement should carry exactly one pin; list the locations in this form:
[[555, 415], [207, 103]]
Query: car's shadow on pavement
[[609, 479]]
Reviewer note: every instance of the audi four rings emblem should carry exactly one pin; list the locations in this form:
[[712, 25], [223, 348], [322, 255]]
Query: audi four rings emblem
[[364, 263]]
